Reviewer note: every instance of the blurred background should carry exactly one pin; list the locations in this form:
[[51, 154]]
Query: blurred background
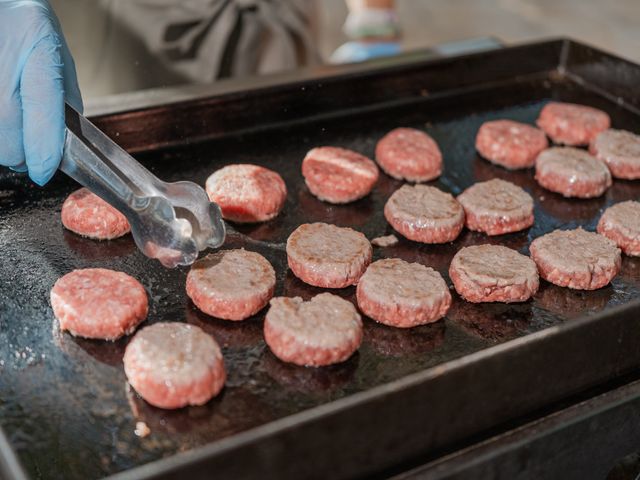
[[120, 47]]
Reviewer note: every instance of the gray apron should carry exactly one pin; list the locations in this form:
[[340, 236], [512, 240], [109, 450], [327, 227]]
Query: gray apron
[[205, 40]]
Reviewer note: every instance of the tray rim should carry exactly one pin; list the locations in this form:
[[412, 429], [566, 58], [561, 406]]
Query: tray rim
[[152, 469], [10, 464], [110, 123]]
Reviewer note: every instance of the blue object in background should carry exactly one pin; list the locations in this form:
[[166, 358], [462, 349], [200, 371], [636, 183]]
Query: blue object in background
[[360, 51]]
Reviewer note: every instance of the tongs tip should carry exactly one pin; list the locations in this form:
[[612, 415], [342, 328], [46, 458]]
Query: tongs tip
[[171, 222]]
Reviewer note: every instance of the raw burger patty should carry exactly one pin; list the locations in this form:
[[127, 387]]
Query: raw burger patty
[[325, 330], [621, 223], [572, 173], [620, 150], [88, 215], [231, 284], [409, 154], [327, 256], [510, 144], [572, 124], [172, 365], [424, 214], [493, 273], [98, 303], [576, 259], [247, 193], [338, 175], [496, 207], [385, 241], [402, 294]]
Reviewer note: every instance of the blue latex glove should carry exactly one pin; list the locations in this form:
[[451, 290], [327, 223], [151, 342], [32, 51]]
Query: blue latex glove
[[357, 51], [37, 75]]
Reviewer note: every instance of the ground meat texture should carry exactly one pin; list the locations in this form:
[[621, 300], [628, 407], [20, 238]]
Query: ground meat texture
[[496, 207], [424, 214], [231, 284], [247, 193], [620, 150], [338, 175], [385, 241], [572, 124], [621, 223], [409, 154], [88, 215], [327, 256], [99, 303], [493, 273], [510, 144], [572, 173], [172, 365], [576, 259], [325, 330], [402, 294]]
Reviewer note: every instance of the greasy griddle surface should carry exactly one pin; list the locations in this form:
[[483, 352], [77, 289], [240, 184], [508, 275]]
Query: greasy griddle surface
[[64, 401]]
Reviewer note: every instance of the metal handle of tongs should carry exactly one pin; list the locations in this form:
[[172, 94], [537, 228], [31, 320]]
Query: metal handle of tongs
[[171, 222]]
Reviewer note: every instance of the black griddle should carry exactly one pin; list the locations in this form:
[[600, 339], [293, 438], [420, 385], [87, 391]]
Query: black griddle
[[64, 404]]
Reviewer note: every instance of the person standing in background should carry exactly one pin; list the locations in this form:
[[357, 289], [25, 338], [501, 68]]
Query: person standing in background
[[374, 30], [205, 41], [192, 41], [218, 39]]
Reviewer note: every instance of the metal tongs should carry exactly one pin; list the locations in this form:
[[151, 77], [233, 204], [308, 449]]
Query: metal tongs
[[171, 222]]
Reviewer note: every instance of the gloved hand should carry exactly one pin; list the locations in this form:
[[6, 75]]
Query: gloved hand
[[37, 75]]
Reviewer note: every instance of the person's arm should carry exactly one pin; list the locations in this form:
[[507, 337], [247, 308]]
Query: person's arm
[[37, 75], [372, 20], [373, 29]]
